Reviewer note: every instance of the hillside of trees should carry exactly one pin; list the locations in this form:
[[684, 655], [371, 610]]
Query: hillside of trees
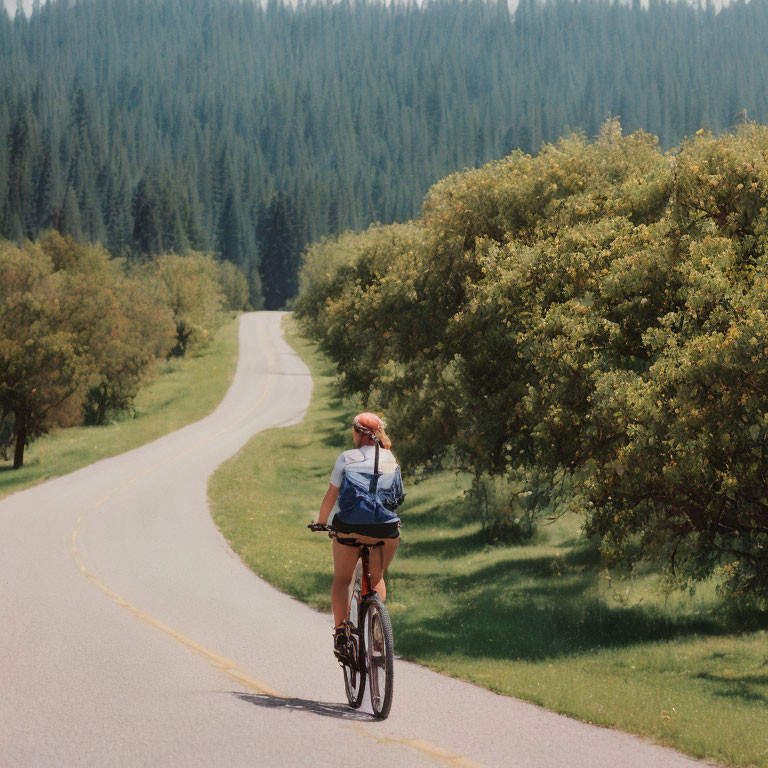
[[582, 329], [251, 129]]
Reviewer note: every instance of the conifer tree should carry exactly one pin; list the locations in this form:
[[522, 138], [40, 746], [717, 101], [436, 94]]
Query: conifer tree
[[352, 110], [280, 244], [147, 226]]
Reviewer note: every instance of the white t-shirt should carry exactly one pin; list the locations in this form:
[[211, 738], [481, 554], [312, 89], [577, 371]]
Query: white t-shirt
[[363, 460]]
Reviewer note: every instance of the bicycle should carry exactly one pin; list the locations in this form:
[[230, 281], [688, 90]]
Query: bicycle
[[370, 647]]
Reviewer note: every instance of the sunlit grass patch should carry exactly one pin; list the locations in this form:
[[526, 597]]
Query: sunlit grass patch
[[542, 621], [179, 393]]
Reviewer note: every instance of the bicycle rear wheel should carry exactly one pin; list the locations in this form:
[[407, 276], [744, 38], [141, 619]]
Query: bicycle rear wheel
[[354, 675], [380, 655]]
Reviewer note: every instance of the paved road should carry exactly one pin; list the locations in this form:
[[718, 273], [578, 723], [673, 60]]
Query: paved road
[[130, 635]]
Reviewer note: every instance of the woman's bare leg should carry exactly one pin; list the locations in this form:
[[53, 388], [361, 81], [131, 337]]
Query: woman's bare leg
[[381, 557], [344, 562]]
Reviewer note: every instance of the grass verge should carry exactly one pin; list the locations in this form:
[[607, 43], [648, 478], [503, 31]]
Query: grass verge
[[180, 392], [542, 621]]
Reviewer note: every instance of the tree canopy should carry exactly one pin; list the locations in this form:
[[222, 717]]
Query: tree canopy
[[593, 318], [79, 330]]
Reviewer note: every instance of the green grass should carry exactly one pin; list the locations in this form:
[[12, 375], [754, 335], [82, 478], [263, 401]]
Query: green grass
[[180, 392], [542, 621]]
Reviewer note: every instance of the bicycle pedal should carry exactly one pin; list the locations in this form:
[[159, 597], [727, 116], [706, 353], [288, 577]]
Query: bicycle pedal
[[344, 660]]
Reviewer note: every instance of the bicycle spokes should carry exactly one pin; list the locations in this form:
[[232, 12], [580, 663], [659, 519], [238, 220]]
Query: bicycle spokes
[[353, 666], [379, 656]]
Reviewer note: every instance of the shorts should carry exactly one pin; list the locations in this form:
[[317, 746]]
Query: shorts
[[374, 530]]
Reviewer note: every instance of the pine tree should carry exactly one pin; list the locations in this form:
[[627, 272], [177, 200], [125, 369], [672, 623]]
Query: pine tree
[[352, 110], [48, 191], [280, 244], [230, 233], [147, 226]]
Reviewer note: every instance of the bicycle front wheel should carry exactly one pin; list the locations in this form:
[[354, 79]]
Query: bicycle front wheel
[[354, 671], [380, 655]]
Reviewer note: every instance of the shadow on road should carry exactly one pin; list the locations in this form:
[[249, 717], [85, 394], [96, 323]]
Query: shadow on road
[[341, 711]]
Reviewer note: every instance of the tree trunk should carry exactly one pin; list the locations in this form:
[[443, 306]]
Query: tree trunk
[[21, 439]]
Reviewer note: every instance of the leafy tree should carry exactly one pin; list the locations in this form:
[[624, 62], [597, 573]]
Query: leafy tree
[[686, 475], [192, 291], [582, 329], [121, 321], [44, 363], [138, 329], [234, 286], [77, 336]]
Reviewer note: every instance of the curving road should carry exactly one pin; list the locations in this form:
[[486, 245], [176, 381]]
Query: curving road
[[131, 635]]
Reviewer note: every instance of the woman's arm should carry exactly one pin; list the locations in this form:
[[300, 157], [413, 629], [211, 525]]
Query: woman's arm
[[327, 504]]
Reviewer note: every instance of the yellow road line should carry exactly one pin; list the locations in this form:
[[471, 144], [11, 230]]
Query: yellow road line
[[220, 663], [420, 745], [226, 666]]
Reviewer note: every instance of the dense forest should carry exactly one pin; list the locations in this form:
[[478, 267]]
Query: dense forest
[[250, 129], [585, 329]]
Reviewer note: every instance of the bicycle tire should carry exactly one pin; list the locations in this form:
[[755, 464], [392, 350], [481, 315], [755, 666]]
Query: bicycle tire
[[354, 678], [380, 655]]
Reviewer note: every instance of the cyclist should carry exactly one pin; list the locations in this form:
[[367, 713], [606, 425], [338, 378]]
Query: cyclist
[[364, 490]]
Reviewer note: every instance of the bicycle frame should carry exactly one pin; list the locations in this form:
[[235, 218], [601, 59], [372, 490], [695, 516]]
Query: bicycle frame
[[366, 588]]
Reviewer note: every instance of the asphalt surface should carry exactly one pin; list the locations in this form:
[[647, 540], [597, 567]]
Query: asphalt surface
[[131, 635]]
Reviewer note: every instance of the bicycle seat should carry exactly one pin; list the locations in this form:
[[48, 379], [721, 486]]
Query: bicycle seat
[[353, 542]]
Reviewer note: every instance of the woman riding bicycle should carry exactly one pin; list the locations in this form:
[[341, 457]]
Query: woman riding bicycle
[[364, 490]]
